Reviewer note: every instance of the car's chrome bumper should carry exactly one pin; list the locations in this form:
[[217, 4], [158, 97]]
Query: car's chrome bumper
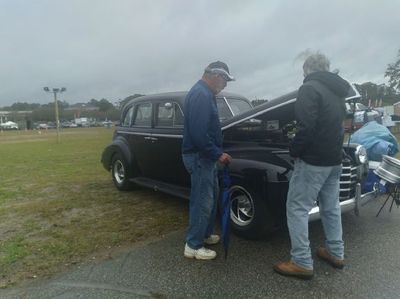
[[352, 204]]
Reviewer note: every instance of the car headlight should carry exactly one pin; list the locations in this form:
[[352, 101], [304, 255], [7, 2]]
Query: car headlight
[[361, 155]]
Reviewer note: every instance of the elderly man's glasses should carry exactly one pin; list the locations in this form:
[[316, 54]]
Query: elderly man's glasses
[[223, 77]]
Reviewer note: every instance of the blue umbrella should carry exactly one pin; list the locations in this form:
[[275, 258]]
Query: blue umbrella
[[225, 204]]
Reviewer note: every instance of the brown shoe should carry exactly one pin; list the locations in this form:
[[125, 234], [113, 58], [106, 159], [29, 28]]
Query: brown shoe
[[291, 269], [323, 254]]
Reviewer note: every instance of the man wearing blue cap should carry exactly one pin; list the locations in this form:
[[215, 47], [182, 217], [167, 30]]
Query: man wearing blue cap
[[201, 149]]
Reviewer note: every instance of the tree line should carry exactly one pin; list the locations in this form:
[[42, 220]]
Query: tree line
[[96, 109], [388, 94]]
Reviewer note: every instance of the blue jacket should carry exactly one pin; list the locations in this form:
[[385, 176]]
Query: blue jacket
[[202, 130]]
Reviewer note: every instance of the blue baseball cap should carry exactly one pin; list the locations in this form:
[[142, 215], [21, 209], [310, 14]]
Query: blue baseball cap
[[220, 68]]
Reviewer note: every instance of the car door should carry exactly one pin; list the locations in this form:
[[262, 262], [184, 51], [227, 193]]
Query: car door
[[141, 143], [167, 135]]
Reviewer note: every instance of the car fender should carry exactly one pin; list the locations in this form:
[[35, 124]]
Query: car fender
[[249, 174], [119, 145], [269, 180], [263, 172]]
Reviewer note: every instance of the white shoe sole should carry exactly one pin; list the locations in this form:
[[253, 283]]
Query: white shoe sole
[[197, 257], [211, 243]]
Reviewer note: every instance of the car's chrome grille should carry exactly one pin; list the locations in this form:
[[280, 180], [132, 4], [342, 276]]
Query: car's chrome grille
[[348, 180]]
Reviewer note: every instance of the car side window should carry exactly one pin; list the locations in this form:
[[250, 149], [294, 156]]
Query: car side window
[[143, 115], [223, 109], [165, 115], [128, 118], [169, 115], [238, 106], [178, 116]]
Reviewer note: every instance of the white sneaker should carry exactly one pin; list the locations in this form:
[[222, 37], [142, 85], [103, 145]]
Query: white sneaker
[[212, 239], [199, 254]]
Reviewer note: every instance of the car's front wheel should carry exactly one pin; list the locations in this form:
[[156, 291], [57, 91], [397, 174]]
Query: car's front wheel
[[120, 173], [250, 217]]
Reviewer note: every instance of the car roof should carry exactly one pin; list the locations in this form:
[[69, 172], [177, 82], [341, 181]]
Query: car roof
[[285, 103], [179, 96]]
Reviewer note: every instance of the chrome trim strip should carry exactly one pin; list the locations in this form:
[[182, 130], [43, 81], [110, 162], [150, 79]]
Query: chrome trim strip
[[280, 152], [134, 133], [229, 106], [167, 135], [150, 134], [357, 94]]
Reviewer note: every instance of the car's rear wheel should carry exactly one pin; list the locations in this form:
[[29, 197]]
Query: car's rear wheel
[[250, 217], [121, 173]]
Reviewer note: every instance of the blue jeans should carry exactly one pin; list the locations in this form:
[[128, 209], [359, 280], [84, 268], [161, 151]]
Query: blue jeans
[[308, 184], [203, 198]]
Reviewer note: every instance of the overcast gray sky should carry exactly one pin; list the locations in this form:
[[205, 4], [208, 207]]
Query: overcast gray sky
[[115, 48]]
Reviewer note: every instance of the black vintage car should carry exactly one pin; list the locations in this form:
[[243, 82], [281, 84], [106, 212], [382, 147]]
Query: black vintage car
[[146, 151]]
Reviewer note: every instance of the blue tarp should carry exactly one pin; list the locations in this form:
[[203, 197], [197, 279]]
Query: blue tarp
[[377, 140]]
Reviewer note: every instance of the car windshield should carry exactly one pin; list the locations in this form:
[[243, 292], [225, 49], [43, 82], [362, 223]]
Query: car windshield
[[229, 107]]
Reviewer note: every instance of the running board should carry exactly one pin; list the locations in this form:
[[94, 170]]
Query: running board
[[163, 187]]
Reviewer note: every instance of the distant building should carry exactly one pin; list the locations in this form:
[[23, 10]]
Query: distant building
[[7, 115], [396, 108], [81, 107], [78, 108]]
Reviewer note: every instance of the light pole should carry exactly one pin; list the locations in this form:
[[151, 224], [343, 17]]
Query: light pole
[[55, 91]]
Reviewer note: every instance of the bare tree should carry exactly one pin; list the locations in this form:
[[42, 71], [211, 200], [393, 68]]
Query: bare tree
[[393, 73]]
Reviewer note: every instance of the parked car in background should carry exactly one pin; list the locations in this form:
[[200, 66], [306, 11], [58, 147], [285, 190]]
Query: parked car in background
[[9, 125], [83, 122], [107, 123], [359, 114], [146, 151], [42, 126], [66, 124]]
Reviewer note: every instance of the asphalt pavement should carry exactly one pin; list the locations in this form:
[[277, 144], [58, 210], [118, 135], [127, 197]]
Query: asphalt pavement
[[158, 269]]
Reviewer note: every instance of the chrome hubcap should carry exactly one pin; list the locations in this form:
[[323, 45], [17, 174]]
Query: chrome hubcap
[[119, 172], [242, 206]]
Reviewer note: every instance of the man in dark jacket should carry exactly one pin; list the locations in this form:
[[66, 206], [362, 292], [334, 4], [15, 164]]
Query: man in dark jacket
[[201, 149], [317, 149]]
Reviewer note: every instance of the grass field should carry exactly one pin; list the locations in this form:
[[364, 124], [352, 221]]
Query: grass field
[[58, 205]]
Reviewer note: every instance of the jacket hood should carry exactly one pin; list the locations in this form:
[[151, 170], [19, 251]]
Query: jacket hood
[[334, 82]]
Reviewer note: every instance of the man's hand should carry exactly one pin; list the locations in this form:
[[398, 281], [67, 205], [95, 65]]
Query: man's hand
[[225, 158]]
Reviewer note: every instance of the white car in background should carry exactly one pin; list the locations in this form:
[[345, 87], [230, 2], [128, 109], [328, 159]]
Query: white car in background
[[362, 115], [9, 125]]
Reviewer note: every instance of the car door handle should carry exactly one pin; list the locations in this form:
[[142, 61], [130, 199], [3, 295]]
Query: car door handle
[[150, 138]]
